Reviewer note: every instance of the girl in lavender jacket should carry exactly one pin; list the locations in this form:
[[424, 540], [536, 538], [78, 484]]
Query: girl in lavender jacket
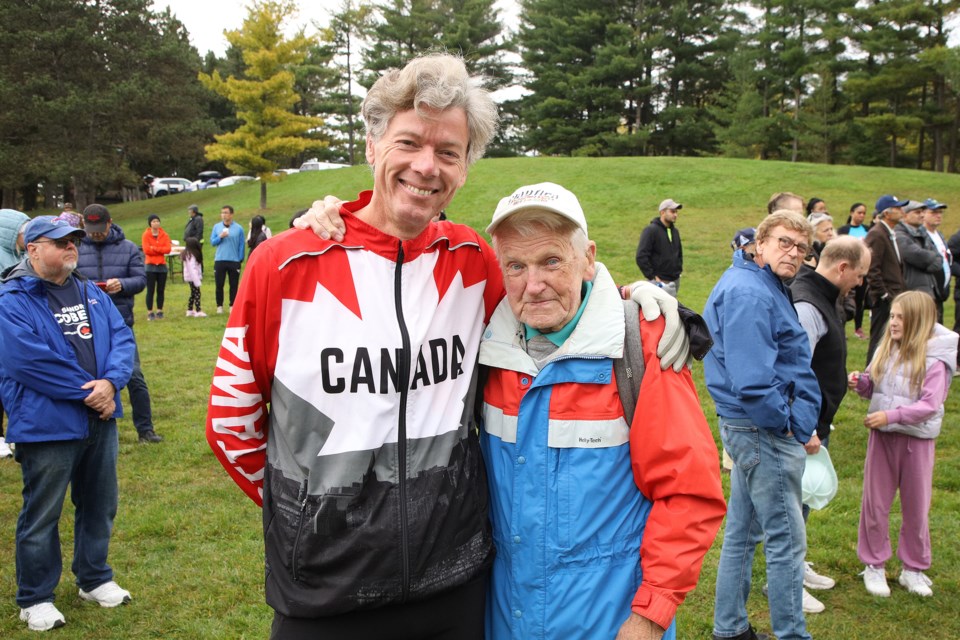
[[193, 275], [907, 383]]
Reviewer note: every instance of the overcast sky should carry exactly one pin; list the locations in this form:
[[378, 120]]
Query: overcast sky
[[206, 20]]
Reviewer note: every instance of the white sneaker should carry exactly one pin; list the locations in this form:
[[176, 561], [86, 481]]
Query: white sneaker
[[42, 617], [813, 580], [811, 604], [5, 451], [916, 582], [875, 580], [190, 313], [219, 309], [109, 594]]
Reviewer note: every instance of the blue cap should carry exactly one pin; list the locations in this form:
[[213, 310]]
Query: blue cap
[[930, 203], [889, 202], [49, 227], [743, 237]]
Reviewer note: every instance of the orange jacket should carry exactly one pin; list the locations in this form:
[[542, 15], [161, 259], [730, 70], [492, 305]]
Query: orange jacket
[[155, 248]]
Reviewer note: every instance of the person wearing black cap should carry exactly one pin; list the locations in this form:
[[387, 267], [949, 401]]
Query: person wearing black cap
[[659, 253], [66, 354], [115, 264], [885, 277]]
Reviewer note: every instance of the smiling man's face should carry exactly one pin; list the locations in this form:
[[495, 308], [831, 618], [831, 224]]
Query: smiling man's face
[[418, 165]]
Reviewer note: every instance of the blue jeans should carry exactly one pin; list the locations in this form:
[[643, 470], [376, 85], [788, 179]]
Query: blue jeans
[[90, 468], [139, 396], [764, 504]]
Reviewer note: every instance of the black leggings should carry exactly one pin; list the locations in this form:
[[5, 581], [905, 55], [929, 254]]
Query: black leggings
[[222, 269], [454, 615], [193, 304], [860, 297], [158, 280]]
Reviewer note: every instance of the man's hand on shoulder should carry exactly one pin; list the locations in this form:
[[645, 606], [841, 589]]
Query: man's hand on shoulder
[[637, 627], [674, 346], [324, 219]]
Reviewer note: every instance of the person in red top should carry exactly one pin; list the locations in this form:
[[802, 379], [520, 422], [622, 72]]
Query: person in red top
[[156, 245]]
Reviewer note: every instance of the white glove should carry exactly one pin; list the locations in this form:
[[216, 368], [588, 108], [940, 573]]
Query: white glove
[[674, 347]]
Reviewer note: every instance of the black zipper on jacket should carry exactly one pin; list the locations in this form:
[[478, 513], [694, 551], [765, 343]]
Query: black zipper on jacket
[[404, 378]]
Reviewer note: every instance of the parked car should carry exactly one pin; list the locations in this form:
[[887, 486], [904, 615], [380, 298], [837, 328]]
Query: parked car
[[207, 179], [232, 180], [166, 186], [315, 165]]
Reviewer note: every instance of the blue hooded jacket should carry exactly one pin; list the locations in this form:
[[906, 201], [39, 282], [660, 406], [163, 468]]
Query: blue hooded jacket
[[40, 377], [115, 257], [11, 222], [759, 366]]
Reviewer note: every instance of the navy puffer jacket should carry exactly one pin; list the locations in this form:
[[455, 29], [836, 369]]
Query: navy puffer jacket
[[115, 257]]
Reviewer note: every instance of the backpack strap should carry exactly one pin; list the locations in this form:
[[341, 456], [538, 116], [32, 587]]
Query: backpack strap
[[629, 369]]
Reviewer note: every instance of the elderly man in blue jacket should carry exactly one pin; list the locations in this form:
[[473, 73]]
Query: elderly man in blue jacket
[[768, 402], [66, 354], [115, 264]]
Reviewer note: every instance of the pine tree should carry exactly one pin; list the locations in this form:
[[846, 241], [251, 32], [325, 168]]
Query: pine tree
[[270, 133]]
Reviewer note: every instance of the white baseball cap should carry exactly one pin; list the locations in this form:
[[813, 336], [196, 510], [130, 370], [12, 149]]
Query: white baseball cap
[[545, 195], [819, 483], [669, 203]]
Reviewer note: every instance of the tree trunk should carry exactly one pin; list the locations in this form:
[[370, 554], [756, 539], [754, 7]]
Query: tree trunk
[[263, 194]]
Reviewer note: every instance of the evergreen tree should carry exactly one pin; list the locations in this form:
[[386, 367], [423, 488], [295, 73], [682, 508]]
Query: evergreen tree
[[270, 133]]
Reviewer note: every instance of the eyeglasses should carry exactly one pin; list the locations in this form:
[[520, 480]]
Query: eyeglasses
[[61, 243], [786, 244]]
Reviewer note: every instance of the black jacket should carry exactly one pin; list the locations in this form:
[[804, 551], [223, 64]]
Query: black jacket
[[830, 354], [657, 255], [194, 228]]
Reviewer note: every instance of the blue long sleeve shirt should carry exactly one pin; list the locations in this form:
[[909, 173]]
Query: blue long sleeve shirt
[[231, 248]]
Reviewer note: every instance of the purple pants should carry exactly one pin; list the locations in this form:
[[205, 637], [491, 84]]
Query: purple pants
[[896, 461]]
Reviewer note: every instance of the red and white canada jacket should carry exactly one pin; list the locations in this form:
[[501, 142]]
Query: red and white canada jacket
[[342, 402]]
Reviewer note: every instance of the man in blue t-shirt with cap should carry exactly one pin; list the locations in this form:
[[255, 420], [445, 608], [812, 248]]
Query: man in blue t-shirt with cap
[[66, 354]]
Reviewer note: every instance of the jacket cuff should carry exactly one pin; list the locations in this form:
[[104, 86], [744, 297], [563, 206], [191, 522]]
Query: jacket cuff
[[654, 606]]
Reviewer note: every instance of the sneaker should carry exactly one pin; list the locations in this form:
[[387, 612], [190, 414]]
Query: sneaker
[[151, 316], [219, 309], [191, 313], [811, 604], [859, 334], [5, 451], [875, 580], [149, 436], [199, 314], [916, 582], [749, 634], [109, 594], [813, 580], [159, 315], [42, 617]]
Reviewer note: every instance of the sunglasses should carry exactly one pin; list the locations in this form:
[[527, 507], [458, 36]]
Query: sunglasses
[[61, 243]]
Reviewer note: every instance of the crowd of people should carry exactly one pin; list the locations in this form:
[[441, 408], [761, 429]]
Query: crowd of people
[[453, 439]]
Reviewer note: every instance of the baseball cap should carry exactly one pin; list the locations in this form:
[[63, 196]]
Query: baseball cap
[[819, 483], [545, 195], [913, 205], [95, 218], [930, 203], [888, 202], [743, 237], [49, 227], [669, 204]]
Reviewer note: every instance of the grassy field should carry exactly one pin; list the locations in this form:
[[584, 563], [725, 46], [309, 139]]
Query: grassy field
[[188, 545]]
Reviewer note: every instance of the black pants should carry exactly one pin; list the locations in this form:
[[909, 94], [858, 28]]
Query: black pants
[[860, 297], [454, 615], [879, 314], [222, 269], [156, 280]]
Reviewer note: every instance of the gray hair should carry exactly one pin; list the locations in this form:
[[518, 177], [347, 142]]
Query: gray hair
[[530, 223], [816, 218], [437, 81]]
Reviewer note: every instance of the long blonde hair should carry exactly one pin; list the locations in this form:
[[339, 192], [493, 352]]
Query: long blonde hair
[[919, 317]]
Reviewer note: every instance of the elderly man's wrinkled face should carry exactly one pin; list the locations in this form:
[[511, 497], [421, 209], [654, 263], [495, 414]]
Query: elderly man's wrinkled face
[[543, 276]]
